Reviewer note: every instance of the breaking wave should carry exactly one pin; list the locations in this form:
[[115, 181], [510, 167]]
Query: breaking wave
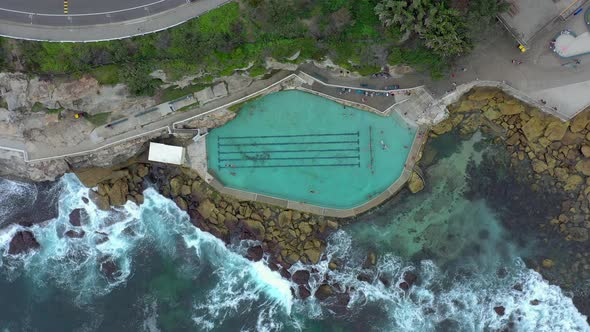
[[105, 258]]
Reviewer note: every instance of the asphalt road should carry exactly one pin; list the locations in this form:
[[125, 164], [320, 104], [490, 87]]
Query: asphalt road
[[82, 12]]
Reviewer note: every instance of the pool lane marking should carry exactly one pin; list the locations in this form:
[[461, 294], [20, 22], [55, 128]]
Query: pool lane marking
[[280, 136], [285, 151], [65, 6], [284, 166], [292, 158], [290, 143]]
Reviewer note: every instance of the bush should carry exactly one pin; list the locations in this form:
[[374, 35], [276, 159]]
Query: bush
[[98, 119], [174, 92], [421, 59], [106, 75], [138, 80]]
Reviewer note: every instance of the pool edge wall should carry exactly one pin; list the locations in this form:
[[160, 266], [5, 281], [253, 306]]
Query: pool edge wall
[[417, 146]]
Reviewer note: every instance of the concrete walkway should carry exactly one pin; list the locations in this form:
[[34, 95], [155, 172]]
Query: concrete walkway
[[542, 75], [40, 152], [98, 32]]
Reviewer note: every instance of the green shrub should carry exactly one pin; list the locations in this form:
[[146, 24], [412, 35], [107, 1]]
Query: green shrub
[[421, 59], [138, 79], [37, 107], [174, 92], [98, 119], [106, 75]]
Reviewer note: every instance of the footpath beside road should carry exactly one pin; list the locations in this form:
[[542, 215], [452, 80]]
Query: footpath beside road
[[110, 31]]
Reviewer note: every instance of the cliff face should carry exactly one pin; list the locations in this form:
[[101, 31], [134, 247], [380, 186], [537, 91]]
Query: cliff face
[[20, 93], [33, 109], [12, 164]]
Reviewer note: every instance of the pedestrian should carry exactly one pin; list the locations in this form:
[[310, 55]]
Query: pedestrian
[[452, 75]]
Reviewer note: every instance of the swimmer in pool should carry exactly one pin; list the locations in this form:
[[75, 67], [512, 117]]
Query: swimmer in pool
[[384, 146]]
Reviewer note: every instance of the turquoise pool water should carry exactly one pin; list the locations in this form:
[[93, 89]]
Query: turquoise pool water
[[298, 146]]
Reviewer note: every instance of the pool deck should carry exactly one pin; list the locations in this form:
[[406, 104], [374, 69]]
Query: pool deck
[[417, 103]]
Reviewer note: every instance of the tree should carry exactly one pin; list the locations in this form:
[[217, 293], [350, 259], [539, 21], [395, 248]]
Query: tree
[[408, 15], [138, 80], [445, 32], [442, 28], [481, 13]]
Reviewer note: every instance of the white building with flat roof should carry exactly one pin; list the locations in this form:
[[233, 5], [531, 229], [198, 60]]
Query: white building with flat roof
[[168, 154]]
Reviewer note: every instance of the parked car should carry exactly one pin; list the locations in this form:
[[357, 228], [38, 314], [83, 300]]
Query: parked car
[[391, 87]]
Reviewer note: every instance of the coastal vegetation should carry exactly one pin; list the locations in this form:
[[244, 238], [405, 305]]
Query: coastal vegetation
[[446, 29], [240, 35]]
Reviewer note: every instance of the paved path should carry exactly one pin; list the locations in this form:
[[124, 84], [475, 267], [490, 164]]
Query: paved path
[[92, 20], [37, 151], [542, 75]]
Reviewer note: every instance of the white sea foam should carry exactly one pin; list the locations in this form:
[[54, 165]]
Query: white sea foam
[[240, 288], [14, 196], [74, 263], [468, 302]]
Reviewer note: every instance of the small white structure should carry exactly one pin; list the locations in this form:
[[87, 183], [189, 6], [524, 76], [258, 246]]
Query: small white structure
[[168, 154]]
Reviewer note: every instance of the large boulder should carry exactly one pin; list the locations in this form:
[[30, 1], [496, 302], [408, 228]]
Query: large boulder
[[181, 203], [206, 208], [573, 182], [556, 130], [176, 186], [313, 254], [548, 263], [142, 170], [586, 151], [301, 277], [75, 234], [510, 108], [534, 128], [304, 292], [23, 242], [255, 227], [255, 253], [415, 183], [109, 268], [285, 218], [76, 217], [323, 292], [580, 121], [117, 192], [442, 127], [500, 310], [409, 280], [539, 166], [583, 166], [101, 201], [492, 114]]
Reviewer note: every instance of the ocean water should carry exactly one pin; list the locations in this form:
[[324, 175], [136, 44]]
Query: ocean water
[[302, 147], [170, 276]]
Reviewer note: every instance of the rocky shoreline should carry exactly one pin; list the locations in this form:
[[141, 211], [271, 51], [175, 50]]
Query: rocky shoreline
[[547, 163], [285, 236]]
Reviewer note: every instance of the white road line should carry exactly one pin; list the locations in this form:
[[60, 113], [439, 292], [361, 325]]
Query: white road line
[[87, 14]]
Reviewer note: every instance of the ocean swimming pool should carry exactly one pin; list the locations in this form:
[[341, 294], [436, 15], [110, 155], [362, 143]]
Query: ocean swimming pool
[[301, 147]]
